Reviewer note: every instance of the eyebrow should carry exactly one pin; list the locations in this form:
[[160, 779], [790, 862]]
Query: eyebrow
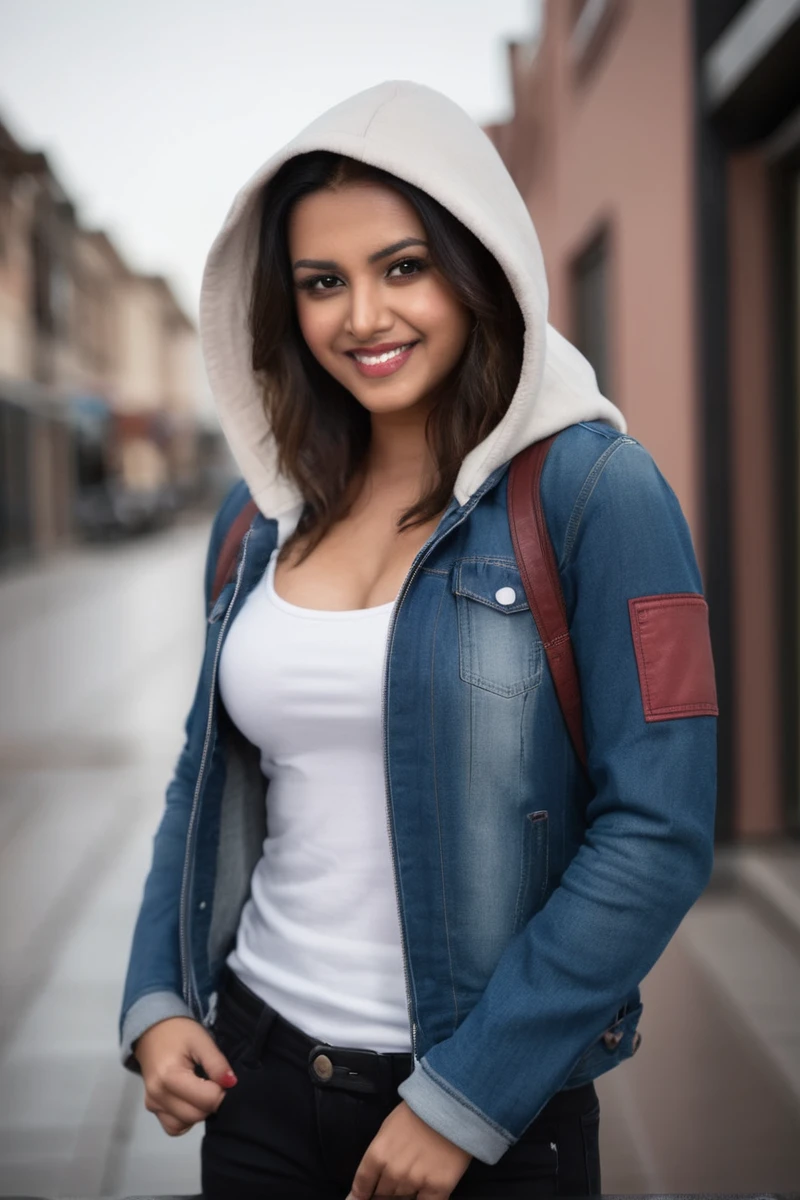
[[329, 265]]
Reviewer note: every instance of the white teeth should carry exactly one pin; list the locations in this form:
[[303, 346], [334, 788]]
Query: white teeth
[[373, 360]]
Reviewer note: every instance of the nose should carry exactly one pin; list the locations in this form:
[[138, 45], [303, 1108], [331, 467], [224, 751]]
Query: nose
[[369, 312]]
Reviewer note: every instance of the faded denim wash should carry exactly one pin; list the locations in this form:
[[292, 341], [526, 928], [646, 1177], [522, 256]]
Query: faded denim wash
[[533, 900]]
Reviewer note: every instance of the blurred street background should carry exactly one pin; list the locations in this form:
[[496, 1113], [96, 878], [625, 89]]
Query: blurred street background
[[657, 144]]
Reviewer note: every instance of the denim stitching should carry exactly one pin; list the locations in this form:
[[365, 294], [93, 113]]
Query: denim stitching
[[531, 680], [448, 1088], [399, 877], [509, 690], [438, 821], [589, 484], [492, 560], [608, 434], [472, 739], [546, 873], [501, 608], [462, 589], [524, 858], [538, 830], [504, 690]]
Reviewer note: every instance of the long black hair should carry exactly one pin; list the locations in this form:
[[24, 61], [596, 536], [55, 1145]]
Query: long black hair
[[321, 431]]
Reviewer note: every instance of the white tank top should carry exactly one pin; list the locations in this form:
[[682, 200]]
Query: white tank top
[[319, 937]]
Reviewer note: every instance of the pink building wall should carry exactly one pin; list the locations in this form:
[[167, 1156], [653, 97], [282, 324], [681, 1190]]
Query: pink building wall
[[607, 140], [755, 519], [613, 145]]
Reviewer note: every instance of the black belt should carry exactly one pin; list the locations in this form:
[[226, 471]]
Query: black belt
[[347, 1069], [343, 1068]]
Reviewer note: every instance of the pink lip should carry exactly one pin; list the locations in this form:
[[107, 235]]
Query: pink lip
[[377, 370], [382, 348]]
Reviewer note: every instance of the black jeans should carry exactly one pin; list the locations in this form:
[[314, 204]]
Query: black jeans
[[295, 1127]]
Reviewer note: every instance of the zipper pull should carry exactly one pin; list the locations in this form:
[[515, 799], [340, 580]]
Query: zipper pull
[[211, 1015]]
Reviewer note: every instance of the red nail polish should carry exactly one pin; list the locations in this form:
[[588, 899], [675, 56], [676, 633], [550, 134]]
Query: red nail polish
[[229, 1080]]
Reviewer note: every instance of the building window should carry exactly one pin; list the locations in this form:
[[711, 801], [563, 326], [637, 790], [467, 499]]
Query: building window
[[42, 281], [590, 307], [5, 217], [592, 22]]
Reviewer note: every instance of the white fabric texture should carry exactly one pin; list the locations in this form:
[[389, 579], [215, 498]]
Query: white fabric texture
[[319, 937], [425, 138]]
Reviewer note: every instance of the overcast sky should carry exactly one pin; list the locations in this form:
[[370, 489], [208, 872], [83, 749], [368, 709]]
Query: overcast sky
[[154, 112]]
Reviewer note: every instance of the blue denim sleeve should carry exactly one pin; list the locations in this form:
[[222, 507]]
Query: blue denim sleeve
[[648, 846], [153, 987]]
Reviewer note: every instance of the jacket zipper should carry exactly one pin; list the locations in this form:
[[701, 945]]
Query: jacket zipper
[[423, 553], [187, 972]]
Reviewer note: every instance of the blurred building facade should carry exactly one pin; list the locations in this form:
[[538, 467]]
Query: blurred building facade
[[99, 370], [657, 144]]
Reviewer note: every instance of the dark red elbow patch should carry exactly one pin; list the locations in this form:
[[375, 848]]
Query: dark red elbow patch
[[673, 655]]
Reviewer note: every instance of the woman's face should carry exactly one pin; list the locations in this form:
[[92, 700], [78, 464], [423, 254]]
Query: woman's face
[[374, 311]]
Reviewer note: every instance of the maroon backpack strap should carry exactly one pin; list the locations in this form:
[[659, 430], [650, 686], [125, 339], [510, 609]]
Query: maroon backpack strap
[[226, 559], [537, 564]]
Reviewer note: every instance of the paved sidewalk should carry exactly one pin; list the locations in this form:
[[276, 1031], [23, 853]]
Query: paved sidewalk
[[747, 932], [771, 875], [98, 656]]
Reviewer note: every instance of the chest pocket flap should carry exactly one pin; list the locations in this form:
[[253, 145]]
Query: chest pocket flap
[[499, 646]]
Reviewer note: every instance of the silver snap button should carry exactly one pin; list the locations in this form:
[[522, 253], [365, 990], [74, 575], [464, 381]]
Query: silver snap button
[[505, 595], [323, 1067], [201, 905]]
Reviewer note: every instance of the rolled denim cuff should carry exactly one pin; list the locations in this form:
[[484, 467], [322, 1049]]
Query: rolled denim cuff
[[453, 1115], [148, 1010]]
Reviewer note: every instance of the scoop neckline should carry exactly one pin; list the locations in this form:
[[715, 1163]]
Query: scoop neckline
[[297, 610]]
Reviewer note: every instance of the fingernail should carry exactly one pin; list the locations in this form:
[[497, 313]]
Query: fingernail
[[229, 1080]]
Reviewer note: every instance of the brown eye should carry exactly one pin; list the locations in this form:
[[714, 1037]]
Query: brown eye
[[327, 283], [407, 267]]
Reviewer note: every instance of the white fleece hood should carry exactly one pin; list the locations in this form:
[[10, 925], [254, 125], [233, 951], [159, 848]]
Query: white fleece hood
[[423, 137]]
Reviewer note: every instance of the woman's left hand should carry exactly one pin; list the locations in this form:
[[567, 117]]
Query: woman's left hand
[[408, 1158]]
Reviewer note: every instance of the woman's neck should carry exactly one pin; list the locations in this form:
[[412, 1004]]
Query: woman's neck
[[399, 457]]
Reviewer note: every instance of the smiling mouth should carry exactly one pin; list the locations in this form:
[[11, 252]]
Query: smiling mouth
[[374, 360], [380, 366]]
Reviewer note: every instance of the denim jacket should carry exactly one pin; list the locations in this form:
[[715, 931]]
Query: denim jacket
[[533, 896]]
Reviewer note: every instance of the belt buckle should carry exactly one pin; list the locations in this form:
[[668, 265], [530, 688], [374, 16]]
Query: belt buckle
[[345, 1069]]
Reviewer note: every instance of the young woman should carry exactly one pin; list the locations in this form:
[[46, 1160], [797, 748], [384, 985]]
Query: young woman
[[393, 930]]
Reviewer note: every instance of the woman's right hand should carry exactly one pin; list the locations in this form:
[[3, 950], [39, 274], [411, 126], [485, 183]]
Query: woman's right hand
[[168, 1053]]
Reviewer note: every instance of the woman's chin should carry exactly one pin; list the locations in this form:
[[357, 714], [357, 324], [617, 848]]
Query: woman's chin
[[386, 401]]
